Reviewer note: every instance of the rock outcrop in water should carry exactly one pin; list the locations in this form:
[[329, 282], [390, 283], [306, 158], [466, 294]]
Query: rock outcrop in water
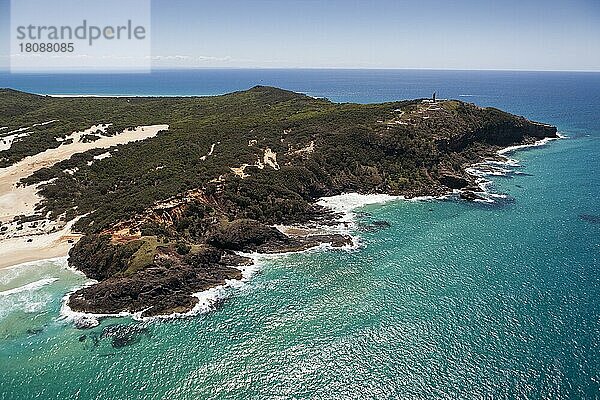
[[158, 276]]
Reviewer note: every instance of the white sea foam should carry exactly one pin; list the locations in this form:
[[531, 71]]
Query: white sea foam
[[541, 142], [30, 297], [503, 167], [349, 201], [33, 286], [82, 319], [346, 203], [507, 162], [207, 299], [25, 268]]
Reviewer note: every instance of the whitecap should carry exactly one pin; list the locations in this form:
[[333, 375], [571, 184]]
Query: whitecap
[[33, 286], [346, 203], [538, 143]]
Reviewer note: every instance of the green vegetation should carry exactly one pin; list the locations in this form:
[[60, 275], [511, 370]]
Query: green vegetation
[[354, 150], [178, 190], [144, 255]]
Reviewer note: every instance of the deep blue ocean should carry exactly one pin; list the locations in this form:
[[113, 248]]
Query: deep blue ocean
[[453, 300]]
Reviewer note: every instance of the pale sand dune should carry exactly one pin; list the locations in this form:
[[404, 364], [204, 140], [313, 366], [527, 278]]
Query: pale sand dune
[[16, 201]]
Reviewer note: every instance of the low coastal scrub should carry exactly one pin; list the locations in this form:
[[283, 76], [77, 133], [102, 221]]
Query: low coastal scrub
[[227, 169]]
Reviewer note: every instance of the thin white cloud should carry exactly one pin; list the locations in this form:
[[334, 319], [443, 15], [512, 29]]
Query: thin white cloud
[[191, 61], [190, 58]]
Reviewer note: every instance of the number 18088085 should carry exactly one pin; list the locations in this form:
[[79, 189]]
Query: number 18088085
[[46, 47]]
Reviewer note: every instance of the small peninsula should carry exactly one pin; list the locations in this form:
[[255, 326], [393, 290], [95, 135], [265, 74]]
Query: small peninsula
[[182, 185]]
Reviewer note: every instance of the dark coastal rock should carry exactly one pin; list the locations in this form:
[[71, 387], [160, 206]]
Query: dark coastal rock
[[374, 226], [504, 131], [98, 258], [249, 235], [158, 279], [363, 214], [470, 196], [453, 181], [592, 219], [163, 288], [245, 235], [205, 256], [473, 188], [124, 335], [235, 259], [301, 243], [86, 323], [179, 233]]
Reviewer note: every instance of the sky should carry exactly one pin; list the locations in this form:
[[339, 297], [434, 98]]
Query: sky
[[433, 34]]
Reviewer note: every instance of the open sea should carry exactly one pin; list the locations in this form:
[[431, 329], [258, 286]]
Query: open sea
[[454, 300]]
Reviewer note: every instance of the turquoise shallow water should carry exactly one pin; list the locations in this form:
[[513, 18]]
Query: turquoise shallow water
[[453, 300]]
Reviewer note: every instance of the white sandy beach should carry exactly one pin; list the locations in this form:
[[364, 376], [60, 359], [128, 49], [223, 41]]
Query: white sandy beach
[[18, 250], [29, 244]]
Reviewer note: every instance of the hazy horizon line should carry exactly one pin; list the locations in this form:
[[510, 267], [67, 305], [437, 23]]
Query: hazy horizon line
[[190, 68]]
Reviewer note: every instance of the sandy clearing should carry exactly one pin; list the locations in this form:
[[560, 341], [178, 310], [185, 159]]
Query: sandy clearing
[[46, 123], [270, 158], [103, 156], [212, 149], [19, 250], [305, 150], [240, 170], [6, 142], [26, 128]]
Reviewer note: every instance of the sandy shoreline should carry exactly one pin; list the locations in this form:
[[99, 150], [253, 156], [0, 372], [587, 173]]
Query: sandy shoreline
[[23, 249], [20, 243]]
